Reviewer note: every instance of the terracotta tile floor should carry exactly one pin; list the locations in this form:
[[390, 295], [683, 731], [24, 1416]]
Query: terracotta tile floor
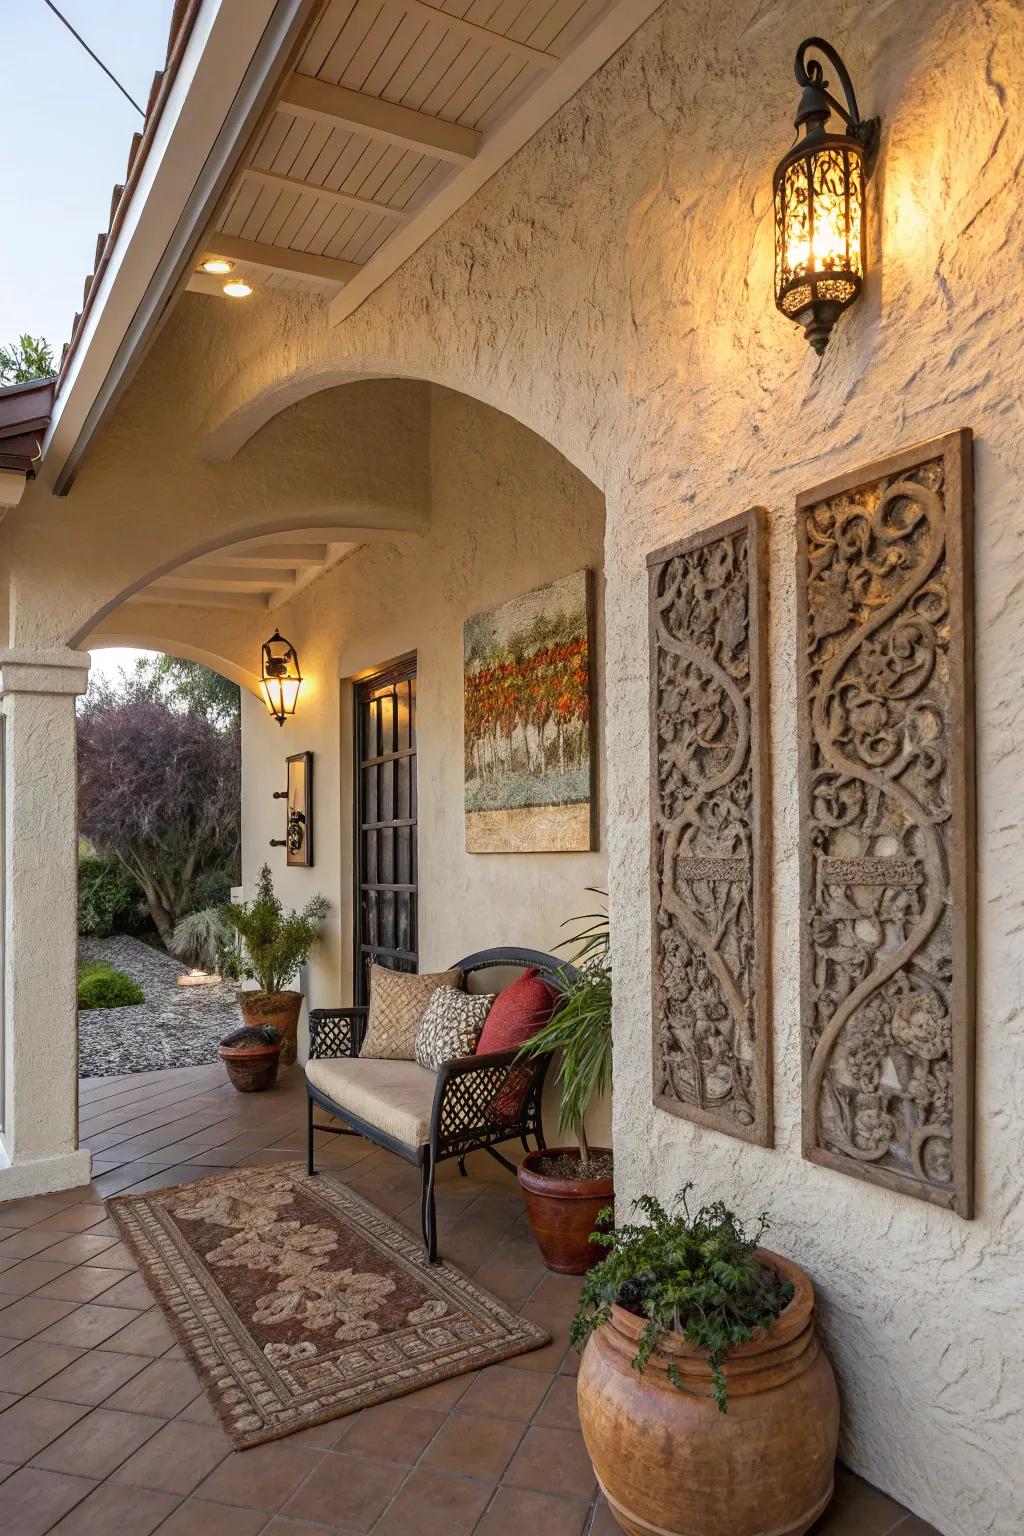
[[103, 1426]]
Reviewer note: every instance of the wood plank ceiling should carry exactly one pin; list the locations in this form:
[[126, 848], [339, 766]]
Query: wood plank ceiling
[[389, 101], [258, 574]]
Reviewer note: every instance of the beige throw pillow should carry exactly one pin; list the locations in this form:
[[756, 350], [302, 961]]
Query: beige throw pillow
[[398, 1002]]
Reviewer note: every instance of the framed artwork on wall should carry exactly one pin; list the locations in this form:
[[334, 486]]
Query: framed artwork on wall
[[299, 834], [527, 736], [885, 693]]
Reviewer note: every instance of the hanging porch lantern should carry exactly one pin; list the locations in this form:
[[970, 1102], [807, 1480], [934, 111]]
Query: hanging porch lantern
[[820, 236], [280, 678]]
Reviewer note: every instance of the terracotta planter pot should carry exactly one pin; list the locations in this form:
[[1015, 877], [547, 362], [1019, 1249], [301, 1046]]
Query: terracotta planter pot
[[278, 1008], [252, 1069], [669, 1463], [563, 1212]]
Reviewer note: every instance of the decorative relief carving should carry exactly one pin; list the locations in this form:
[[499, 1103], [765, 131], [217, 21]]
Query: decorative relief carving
[[886, 822], [710, 830]]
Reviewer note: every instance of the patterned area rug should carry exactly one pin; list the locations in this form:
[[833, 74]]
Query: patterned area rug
[[298, 1301]]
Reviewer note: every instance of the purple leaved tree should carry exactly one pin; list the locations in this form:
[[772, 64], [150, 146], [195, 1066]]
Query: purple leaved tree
[[159, 788]]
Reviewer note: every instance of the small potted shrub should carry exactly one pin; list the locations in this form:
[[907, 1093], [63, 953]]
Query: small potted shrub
[[251, 1055], [706, 1400], [566, 1187], [269, 947]]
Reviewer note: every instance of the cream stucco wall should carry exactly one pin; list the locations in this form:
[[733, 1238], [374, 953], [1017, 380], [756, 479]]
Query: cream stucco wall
[[611, 289], [507, 514]]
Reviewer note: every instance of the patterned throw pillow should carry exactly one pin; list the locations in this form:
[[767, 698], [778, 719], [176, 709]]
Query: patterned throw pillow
[[451, 1026], [397, 1004]]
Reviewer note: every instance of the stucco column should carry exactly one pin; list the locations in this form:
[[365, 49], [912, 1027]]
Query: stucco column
[[39, 1134]]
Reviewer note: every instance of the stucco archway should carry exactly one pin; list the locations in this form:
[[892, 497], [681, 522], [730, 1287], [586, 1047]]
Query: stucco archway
[[183, 650], [258, 400]]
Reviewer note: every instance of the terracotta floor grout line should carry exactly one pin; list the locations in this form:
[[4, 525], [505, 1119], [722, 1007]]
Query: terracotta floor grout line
[[132, 1107], [93, 1485]]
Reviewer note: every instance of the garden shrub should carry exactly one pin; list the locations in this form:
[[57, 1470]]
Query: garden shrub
[[101, 986], [109, 898], [200, 936]]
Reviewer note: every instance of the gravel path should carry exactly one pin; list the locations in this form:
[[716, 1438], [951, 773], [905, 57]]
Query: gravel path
[[174, 1027]]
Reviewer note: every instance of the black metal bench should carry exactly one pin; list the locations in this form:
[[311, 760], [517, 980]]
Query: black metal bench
[[462, 1118]]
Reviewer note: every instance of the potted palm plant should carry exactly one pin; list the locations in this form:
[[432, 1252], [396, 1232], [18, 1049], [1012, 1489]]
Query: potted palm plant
[[565, 1187], [268, 945]]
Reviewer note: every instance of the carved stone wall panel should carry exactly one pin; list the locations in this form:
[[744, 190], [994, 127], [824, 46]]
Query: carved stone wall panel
[[884, 692], [710, 829]]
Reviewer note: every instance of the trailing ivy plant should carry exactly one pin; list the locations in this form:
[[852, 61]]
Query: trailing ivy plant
[[695, 1276], [271, 944]]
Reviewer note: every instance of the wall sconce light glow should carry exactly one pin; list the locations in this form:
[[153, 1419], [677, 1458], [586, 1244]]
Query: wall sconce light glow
[[217, 266], [820, 235], [280, 678], [238, 288]]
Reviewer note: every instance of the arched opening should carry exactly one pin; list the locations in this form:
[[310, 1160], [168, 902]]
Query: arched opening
[[501, 833], [251, 401], [176, 646], [159, 796]]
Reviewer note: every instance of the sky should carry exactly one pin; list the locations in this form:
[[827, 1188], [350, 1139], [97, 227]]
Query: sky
[[109, 661], [63, 145]]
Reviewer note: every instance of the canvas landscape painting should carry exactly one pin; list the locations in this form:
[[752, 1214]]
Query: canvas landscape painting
[[527, 732]]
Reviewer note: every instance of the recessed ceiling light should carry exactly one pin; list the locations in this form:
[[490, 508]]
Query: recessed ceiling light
[[217, 266], [238, 288]]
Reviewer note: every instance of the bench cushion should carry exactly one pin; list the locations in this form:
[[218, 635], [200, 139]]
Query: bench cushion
[[395, 1097]]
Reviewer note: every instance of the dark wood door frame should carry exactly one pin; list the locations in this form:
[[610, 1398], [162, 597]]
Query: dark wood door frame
[[385, 863]]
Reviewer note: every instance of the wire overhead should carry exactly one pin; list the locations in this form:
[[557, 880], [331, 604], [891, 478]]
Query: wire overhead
[[94, 56]]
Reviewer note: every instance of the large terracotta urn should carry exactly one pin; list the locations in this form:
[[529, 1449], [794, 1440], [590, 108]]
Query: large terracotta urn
[[670, 1464], [563, 1211], [281, 1009]]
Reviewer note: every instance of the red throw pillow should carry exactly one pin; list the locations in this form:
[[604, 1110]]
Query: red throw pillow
[[515, 1017]]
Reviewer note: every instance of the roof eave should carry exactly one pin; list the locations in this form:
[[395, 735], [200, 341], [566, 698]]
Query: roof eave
[[229, 56]]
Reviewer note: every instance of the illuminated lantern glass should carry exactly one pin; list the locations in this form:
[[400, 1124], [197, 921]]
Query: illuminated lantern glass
[[819, 203], [280, 678]]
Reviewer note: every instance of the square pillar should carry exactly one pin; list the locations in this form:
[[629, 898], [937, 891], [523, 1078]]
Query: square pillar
[[39, 1048]]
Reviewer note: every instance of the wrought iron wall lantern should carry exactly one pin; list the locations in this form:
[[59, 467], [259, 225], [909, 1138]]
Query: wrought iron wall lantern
[[280, 678], [820, 235]]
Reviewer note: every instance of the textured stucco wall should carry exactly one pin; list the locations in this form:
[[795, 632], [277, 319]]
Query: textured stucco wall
[[611, 289], [507, 514]]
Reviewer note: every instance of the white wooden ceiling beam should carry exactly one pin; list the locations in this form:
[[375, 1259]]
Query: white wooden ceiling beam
[[225, 578], [319, 101], [479, 34], [278, 183], [189, 598], [278, 556], [279, 258]]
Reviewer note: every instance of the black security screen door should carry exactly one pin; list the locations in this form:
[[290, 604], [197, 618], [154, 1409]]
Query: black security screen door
[[386, 875]]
